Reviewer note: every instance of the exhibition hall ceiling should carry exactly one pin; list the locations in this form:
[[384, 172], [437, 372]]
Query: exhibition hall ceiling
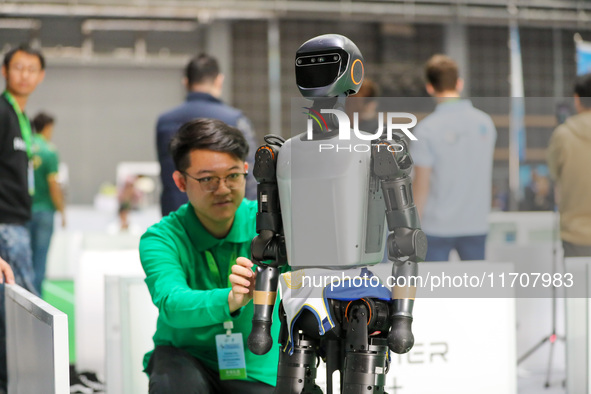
[[554, 13]]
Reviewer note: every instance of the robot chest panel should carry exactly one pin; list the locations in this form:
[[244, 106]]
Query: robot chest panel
[[324, 203]]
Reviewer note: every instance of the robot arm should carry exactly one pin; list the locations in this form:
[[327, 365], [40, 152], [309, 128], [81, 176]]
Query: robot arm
[[407, 244], [268, 247]]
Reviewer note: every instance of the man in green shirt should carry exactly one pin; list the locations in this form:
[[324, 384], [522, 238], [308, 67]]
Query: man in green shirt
[[188, 258], [48, 196]]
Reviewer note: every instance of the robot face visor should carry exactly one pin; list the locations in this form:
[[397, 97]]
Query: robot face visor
[[319, 69]]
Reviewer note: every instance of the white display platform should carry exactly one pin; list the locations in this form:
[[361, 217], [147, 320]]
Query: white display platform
[[130, 323], [63, 255], [578, 328], [36, 344], [67, 246], [522, 228], [534, 315], [89, 291], [91, 229], [462, 346]]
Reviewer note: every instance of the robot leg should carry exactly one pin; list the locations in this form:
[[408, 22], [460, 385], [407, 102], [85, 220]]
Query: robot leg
[[366, 357], [297, 372]]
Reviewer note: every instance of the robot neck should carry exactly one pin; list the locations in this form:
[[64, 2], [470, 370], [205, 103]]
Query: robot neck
[[326, 125]]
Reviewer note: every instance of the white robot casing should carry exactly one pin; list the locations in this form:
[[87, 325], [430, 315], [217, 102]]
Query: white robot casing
[[332, 217]]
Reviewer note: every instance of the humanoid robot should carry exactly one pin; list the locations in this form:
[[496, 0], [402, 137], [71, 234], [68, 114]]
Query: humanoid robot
[[329, 212]]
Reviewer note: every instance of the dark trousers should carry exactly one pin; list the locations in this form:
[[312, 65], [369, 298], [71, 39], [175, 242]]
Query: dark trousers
[[41, 229], [468, 247], [173, 370], [15, 249], [574, 250]]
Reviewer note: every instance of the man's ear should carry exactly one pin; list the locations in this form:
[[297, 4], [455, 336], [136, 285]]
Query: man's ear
[[430, 89], [460, 85], [245, 166], [578, 107], [219, 81], [180, 181], [372, 107], [41, 77], [185, 82], [4, 72]]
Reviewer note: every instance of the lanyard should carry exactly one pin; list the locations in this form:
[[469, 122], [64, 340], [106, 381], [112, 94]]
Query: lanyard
[[213, 266], [23, 122]]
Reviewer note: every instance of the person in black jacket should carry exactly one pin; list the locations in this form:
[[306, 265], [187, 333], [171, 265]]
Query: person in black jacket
[[204, 83], [23, 69]]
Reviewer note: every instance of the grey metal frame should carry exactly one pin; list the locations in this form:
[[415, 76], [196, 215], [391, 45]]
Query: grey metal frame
[[36, 344]]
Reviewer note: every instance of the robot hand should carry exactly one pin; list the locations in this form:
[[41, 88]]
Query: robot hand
[[401, 339], [260, 340]]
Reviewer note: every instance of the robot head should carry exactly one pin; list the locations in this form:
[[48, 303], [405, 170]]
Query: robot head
[[330, 65]]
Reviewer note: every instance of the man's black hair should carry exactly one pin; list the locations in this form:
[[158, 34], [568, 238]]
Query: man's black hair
[[202, 69], [583, 89], [24, 48], [208, 134], [41, 120]]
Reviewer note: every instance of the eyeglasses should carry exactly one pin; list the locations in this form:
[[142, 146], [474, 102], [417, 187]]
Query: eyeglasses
[[21, 68], [210, 184]]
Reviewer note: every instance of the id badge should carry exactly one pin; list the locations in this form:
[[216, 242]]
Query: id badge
[[230, 349], [31, 178]]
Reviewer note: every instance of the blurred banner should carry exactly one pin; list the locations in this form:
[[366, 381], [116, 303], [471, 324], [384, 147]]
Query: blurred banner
[[517, 125], [583, 55]]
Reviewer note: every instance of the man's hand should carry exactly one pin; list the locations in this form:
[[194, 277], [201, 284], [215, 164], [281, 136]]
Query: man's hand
[[6, 272], [243, 281]]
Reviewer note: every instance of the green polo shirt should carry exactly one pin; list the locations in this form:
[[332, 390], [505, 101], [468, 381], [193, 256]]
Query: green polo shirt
[[45, 163], [191, 301]]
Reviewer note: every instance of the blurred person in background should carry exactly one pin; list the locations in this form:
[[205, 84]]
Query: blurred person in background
[[23, 69], [569, 161], [128, 198], [453, 158], [132, 196], [365, 104], [538, 195], [204, 84], [48, 196]]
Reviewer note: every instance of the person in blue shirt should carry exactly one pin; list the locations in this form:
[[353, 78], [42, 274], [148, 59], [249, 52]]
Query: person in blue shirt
[[453, 158], [204, 84]]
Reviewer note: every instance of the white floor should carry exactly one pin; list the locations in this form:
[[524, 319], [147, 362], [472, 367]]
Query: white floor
[[528, 382], [535, 382]]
